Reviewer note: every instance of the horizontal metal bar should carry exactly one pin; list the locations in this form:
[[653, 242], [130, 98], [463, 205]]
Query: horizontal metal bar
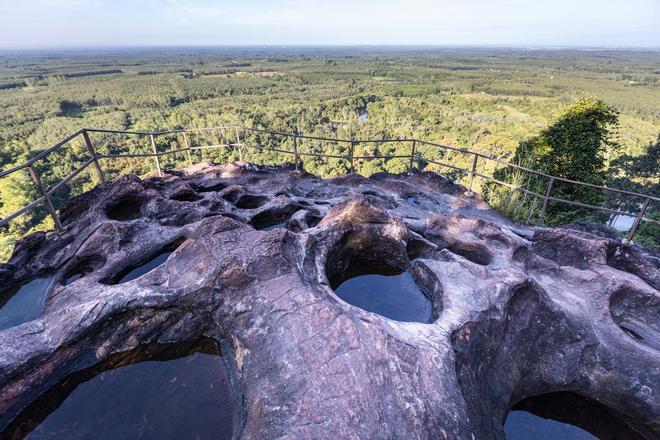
[[165, 153], [649, 220], [69, 177], [102, 130], [332, 156], [556, 199], [380, 141], [584, 205], [41, 155], [464, 151], [125, 156], [446, 147], [401, 156], [562, 179], [446, 165], [300, 153], [299, 136], [206, 147], [22, 211]]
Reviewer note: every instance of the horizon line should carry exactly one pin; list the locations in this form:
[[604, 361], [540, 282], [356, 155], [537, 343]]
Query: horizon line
[[330, 46]]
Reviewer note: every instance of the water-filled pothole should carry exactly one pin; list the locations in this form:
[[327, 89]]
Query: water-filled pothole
[[76, 274], [565, 416], [412, 200], [266, 221], [125, 210], [133, 272], [212, 188], [389, 292], [159, 391], [147, 267], [23, 303], [250, 202], [186, 197], [271, 227]]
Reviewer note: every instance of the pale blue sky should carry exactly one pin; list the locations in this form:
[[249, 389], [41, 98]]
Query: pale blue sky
[[85, 23]]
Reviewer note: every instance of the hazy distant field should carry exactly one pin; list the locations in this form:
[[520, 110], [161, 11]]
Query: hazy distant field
[[481, 98], [488, 100]]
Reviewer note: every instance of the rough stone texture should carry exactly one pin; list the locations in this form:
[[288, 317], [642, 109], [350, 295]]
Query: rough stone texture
[[517, 311]]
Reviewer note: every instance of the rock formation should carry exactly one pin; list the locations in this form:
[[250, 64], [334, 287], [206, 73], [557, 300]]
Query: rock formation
[[517, 311]]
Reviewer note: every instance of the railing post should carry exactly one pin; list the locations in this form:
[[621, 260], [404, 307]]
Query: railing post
[[238, 143], [412, 153], [497, 164], [295, 149], [92, 151], [185, 141], [155, 150], [352, 156], [473, 170], [638, 220], [49, 204], [545, 200]]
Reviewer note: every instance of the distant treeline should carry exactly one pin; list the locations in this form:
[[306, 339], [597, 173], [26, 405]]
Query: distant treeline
[[91, 73]]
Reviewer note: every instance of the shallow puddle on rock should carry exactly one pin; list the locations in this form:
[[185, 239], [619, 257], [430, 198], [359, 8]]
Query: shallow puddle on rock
[[147, 267], [565, 416], [163, 391], [23, 303], [413, 201], [394, 295], [271, 227], [523, 425]]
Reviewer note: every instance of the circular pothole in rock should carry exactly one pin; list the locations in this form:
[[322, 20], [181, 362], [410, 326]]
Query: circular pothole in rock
[[568, 416], [136, 271], [187, 197], [472, 252], [23, 303], [249, 201], [636, 314], [389, 292], [272, 219], [374, 274], [167, 391], [413, 200], [76, 274], [126, 209], [211, 188]]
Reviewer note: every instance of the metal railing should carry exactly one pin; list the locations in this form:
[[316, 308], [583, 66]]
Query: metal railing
[[414, 156]]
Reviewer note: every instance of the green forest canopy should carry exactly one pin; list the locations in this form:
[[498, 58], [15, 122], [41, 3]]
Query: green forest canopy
[[485, 100]]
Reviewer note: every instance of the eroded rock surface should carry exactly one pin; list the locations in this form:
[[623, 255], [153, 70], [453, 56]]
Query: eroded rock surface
[[517, 312]]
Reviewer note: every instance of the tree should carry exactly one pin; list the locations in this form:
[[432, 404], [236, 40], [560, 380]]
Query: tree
[[573, 147]]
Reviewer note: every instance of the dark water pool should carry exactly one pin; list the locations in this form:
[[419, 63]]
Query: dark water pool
[[413, 201], [271, 227], [565, 416], [523, 425], [171, 391], [393, 295], [23, 303], [147, 267]]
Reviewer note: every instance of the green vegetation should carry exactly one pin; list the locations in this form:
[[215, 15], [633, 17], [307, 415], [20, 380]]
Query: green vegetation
[[574, 148], [486, 100]]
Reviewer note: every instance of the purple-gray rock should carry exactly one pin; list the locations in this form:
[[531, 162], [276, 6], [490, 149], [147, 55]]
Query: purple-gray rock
[[517, 311]]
